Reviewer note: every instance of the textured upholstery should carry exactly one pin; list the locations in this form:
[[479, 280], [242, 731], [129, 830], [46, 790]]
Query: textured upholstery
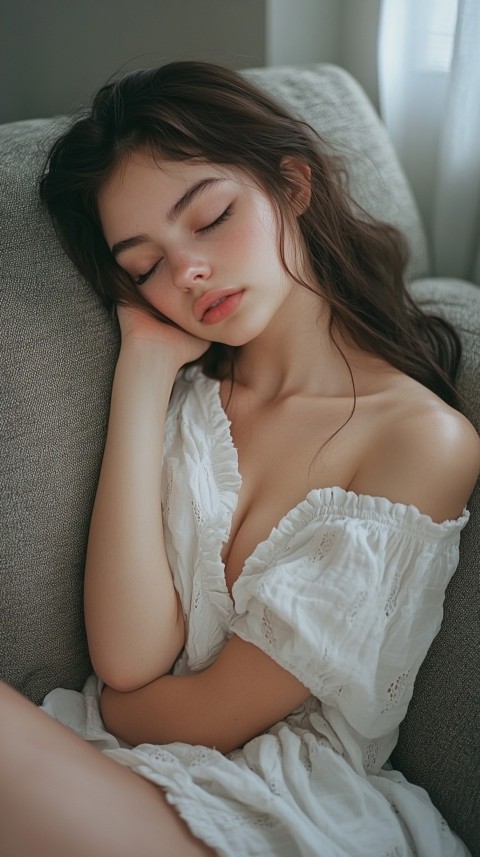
[[439, 745], [58, 352]]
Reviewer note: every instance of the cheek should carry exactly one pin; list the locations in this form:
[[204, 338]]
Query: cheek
[[159, 297], [268, 237], [257, 242]]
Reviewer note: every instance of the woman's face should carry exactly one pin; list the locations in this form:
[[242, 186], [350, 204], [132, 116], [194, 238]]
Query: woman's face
[[201, 242]]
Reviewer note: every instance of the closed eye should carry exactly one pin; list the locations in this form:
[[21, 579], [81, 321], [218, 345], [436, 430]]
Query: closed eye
[[142, 278], [224, 216]]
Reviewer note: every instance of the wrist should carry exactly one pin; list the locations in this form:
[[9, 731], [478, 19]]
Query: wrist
[[150, 356]]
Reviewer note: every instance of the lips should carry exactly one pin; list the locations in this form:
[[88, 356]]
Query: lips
[[212, 299]]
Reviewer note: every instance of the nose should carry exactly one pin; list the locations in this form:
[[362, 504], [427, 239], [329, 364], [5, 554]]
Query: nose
[[188, 271]]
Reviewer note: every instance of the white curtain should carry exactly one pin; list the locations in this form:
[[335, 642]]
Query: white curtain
[[429, 87]]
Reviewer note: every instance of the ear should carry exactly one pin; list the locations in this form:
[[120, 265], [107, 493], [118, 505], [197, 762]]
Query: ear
[[299, 175]]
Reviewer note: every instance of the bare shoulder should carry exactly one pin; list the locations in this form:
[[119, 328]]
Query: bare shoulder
[[423, 453]]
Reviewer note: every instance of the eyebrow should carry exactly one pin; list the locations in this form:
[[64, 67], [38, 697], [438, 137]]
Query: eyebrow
[[127, 243], [190, 195], [172, 215]]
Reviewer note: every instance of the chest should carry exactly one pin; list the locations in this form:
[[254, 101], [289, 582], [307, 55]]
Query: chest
[[283, 453]]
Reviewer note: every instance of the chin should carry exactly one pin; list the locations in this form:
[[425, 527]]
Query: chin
[[243, 334]]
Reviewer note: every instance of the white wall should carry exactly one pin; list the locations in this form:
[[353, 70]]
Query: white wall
[[55, 53]]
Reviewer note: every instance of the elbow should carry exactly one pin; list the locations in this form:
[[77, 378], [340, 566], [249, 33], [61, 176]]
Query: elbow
[[138, 659], [123, 683], [129, 670], [119, 678]]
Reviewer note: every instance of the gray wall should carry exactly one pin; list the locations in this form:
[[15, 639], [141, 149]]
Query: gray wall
[[55, 53], [332, 31]]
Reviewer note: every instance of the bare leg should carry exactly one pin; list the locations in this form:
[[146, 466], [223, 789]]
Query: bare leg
[[59, 796]]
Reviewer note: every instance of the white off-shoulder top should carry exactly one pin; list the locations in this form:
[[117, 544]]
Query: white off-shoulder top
[[346, 593]]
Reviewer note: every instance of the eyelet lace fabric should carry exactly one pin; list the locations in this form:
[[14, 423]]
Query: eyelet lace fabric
[[395, 691], [346, 594]]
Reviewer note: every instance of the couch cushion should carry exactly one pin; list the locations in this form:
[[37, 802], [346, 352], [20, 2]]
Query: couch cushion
[[58, 351], [439, 746]]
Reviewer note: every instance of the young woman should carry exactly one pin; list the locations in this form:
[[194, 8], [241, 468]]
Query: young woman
[[279, 506]]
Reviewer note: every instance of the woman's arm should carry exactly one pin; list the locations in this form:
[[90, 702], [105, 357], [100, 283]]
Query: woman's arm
[[134, 622], [245, 691], [239, 696]]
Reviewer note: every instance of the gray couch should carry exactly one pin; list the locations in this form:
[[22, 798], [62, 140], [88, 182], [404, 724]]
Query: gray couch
[[59, 347]]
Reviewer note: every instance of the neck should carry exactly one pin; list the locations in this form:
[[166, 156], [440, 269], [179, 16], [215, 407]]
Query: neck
[[296, 355]]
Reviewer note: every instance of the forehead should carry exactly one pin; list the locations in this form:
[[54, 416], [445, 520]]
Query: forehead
[[142, 180], [144, 186], [139, 172]]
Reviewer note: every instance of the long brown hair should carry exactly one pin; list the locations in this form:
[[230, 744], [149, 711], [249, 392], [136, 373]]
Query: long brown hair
[[187, 110]]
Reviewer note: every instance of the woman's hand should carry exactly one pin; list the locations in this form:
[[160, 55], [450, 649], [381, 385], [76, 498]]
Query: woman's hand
[[138, 325], [134, 619]]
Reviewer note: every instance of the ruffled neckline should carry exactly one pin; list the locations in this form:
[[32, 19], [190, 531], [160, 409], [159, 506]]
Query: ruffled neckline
[[319, 502]]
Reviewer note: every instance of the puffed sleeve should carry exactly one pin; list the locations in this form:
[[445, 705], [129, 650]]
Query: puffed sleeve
[[347, 595]]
